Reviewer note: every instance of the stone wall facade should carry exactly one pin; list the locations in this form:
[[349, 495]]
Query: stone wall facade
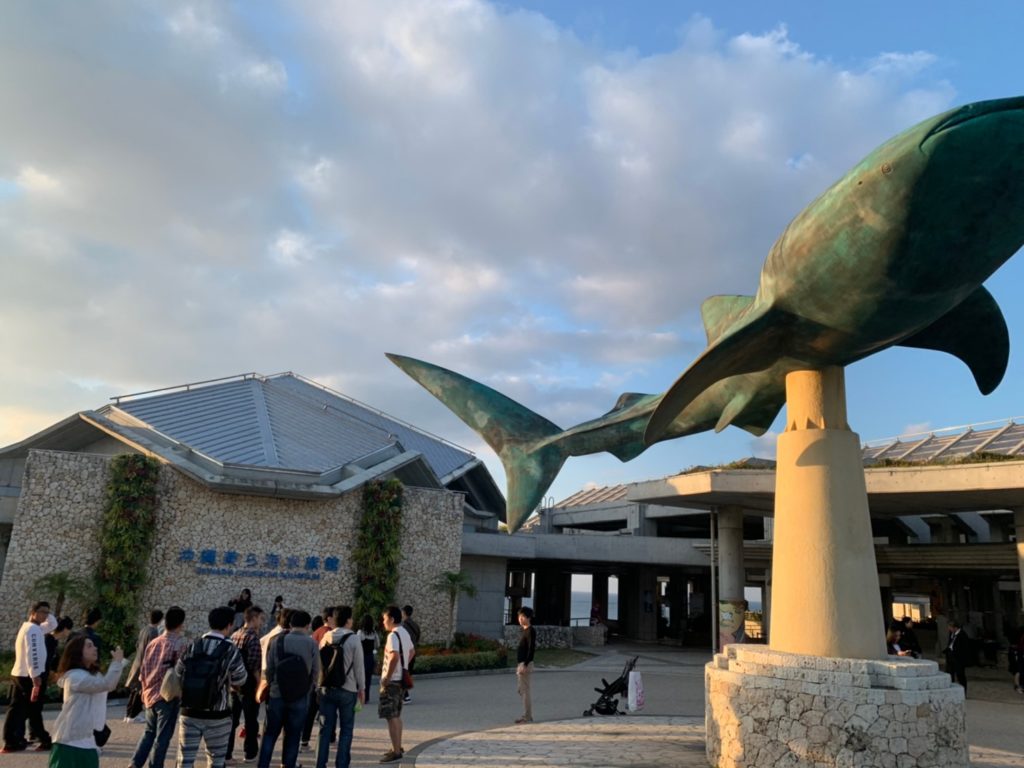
[[786, 710], [210, 545], [547, 636]]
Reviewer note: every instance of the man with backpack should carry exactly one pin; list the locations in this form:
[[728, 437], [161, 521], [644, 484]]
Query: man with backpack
[[342, 684], [210, 666], [292, 664]]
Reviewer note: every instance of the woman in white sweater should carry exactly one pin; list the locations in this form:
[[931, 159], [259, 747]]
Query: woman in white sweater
[[85, 703]]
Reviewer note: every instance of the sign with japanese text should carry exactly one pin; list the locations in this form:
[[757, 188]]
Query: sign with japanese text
[[270, 565]]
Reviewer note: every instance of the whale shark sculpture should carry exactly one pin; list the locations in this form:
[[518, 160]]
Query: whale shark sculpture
[[894, 253], [533, 449]]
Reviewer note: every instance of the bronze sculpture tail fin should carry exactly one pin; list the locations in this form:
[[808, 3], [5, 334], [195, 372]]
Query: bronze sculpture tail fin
[[521, 438]]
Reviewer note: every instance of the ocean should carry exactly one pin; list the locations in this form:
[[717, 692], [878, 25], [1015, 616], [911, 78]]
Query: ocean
[[579, 609]]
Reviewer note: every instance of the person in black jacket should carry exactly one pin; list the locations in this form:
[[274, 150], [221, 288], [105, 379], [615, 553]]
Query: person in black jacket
[[957, 653], [524, 658], [909, 641]]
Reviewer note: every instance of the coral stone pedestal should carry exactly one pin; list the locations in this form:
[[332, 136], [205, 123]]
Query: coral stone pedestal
[[766, 708]]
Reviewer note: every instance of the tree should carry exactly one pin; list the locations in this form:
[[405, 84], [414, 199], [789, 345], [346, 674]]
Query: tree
[[453, 584], [63, 585]]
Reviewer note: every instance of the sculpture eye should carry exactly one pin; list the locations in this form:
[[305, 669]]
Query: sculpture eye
[[886, 168]]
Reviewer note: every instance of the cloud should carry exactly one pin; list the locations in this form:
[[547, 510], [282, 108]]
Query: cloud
[[36, 182], [765, 446], [916, 430], [306, 186]]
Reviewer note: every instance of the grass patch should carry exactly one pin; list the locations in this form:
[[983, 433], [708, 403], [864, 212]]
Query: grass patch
[[556, 657]]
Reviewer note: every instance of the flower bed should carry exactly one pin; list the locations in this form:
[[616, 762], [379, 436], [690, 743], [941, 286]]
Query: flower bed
[[468, 652]]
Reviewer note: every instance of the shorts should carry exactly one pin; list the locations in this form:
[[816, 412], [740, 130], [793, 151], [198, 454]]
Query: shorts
[[390, 705]]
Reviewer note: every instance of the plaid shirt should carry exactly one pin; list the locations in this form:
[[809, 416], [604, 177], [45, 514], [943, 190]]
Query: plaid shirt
[[248, 644], [161, 654]]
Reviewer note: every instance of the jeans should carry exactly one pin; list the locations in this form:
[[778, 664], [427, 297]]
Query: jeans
[[245, 708], [290, 716], [336, 704], [307, 729], [160, 721]]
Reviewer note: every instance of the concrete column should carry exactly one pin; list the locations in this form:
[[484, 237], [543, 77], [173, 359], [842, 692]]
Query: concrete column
[[599, 593], [549, 597], [823, 560], [732, 577], [644, 621], [1018, 525]]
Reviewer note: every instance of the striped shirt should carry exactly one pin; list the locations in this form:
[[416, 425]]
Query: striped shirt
[[236, 675], [161, 654]]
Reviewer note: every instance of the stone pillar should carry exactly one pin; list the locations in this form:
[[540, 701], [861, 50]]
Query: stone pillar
[[1018, 524], [732, 577], [823, 562]]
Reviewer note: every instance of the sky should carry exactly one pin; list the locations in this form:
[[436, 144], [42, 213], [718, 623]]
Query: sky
[[538, 195]]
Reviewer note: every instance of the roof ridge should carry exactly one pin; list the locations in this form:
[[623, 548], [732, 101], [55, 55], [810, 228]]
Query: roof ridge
[[372, 409]]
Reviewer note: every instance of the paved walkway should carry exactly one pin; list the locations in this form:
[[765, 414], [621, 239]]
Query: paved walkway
[[466, 721], [612, 742]]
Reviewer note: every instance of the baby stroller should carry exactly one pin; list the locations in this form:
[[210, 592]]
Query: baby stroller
[[607, 703]]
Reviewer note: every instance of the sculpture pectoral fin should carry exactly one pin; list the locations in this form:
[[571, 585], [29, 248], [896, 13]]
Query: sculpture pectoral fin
[[975, 332], [764, 336]]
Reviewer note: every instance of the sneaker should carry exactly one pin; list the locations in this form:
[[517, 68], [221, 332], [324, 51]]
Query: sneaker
[[251, 759], [522, 720], [304, 746], [408, 698], [391, 756], [241, 732], [46, 746]]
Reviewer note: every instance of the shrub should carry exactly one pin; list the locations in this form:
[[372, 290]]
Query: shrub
[[456, 662]]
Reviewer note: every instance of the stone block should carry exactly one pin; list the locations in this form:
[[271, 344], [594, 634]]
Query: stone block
[[830, 713]]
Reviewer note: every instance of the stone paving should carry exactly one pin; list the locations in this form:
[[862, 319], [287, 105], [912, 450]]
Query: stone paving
[[615, 742], [458, 722]]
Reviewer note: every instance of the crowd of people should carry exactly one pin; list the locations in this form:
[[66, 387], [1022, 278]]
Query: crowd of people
[[239, 681]]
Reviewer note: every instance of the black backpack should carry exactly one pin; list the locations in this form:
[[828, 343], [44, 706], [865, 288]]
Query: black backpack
[[292, 676], [332, 664], [205, 675]]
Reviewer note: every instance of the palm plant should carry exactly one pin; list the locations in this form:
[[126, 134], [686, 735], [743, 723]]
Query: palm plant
[[62, 585], [453, 584]]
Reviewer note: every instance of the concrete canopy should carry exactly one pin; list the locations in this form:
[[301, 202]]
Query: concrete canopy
[[892, 491]]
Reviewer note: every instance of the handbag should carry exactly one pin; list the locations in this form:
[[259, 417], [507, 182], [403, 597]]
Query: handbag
[[170, 688], [102, 736], [406, 683]]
